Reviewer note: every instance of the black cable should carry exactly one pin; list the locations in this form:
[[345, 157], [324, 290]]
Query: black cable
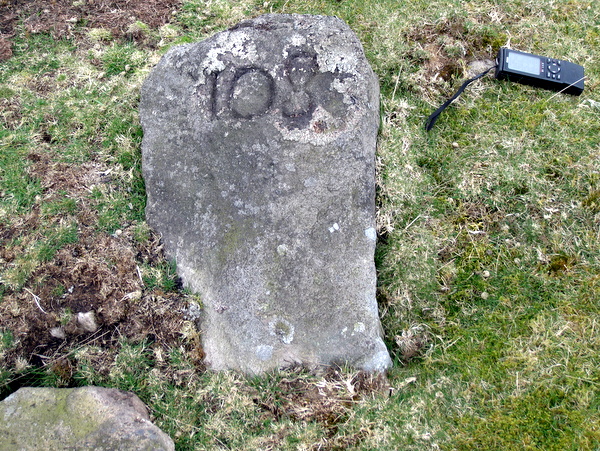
[[431, 119]]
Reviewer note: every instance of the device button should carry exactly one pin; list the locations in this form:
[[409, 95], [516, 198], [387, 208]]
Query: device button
[[554, 68]]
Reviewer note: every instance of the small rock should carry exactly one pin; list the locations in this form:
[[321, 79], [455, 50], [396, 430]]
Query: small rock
[[87, 321], [58, 332], [134, 295], [476, 67]]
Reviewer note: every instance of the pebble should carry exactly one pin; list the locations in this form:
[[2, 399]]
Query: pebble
[[87, 321], [58, 332]]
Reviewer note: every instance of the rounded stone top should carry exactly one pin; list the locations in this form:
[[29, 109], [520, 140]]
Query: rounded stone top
[[303, 75]]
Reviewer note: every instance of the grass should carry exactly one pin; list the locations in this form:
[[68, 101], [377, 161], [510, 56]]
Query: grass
[[489, 250]]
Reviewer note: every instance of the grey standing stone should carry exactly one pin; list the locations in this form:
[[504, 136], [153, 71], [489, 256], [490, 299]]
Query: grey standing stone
[[258, 156], [102, 419]]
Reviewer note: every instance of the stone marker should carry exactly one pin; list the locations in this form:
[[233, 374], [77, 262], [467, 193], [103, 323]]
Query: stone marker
[[258, 156], [78, 419]]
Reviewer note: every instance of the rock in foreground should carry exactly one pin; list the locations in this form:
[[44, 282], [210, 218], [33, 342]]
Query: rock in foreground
[[78, 419]]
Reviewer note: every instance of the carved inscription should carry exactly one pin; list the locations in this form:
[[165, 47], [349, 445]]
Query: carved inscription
[[252, 92], [299, 70], [245, 92], [295, 91]]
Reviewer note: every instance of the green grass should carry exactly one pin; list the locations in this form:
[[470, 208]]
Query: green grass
[[489, 251]]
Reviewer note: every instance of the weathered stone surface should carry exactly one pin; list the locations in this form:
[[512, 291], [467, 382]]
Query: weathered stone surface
[[258, 155], [78, 419]]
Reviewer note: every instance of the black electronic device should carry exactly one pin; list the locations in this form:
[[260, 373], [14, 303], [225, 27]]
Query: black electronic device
[[527, 69], [542, 72]]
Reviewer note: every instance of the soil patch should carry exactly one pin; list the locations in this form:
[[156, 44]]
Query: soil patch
[[85, 289], [60, 17], [92, 271]]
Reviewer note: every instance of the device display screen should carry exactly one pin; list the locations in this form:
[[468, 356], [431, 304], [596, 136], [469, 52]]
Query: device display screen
[[523, 63]]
